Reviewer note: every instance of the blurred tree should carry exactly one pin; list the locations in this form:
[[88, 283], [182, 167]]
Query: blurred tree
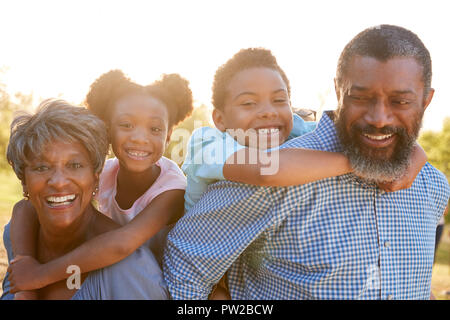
[[7, 108], [437, 147], [176, 149]]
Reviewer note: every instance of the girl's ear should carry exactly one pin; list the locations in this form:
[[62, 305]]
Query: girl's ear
[[219, 119]]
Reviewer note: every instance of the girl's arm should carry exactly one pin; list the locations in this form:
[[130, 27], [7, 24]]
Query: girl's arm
[[23, 233], [24, 228], [286, 167], [107, 248]]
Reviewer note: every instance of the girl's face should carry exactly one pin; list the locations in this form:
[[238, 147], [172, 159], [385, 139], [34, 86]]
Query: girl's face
[[139, 131], [257, 98]]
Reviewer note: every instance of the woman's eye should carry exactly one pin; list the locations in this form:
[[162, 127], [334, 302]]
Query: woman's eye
[[75, 165], [40, 168], [156, 129]]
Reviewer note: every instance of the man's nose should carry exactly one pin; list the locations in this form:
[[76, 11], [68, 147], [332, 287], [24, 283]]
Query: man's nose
[[379, 114]]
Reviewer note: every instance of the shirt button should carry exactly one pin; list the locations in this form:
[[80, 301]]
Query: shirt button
[[390, 297], [387, 244]]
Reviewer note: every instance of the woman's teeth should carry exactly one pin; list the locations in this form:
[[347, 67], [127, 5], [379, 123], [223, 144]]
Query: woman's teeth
[[60, 201], [383, 137]]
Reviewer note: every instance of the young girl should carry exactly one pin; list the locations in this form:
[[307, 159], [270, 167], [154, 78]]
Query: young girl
[[251, 94], [140, 189]]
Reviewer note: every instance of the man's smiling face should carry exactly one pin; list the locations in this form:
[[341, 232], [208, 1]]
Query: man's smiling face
[[381, 104]]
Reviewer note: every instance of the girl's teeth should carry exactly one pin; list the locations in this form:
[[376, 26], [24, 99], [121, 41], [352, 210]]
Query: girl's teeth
[[138, 153]]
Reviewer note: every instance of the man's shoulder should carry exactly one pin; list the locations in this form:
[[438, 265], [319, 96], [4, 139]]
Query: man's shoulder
[[436, 186]]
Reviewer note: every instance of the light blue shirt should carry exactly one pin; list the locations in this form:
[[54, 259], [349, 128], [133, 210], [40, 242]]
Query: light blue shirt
[[207, 151], [335, 238]]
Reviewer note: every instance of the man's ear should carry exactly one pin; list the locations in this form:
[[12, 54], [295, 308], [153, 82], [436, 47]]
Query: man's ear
[[428, 98], [219, 119]]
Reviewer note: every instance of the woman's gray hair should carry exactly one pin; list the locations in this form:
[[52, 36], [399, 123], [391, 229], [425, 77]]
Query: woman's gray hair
[[56, 120]]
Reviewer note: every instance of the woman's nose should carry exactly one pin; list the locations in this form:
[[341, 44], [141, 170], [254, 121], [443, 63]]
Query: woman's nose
[[58, 179]]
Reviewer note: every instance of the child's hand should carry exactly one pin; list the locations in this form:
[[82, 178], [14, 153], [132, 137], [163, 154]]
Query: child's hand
[[25, 273], [418, 160]]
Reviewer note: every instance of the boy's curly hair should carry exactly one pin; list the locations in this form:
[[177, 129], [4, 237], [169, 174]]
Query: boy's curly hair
[[244, 59], [171, 89]]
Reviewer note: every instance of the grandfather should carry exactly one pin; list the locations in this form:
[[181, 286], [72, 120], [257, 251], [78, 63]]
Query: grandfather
[[341, 237]]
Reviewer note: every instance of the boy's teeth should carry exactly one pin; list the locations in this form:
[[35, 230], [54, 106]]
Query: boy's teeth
[[267, 130], [378, 137], [63, 199]]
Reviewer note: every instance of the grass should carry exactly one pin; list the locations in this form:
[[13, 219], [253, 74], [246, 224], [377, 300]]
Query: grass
[[11, 192]]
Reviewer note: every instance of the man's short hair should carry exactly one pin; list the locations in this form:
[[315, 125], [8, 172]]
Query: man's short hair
[[384, 42]]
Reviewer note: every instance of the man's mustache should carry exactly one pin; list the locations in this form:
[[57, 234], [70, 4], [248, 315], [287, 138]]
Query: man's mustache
[[369, 129]]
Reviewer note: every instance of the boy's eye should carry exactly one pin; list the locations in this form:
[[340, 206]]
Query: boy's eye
[[126, 125]]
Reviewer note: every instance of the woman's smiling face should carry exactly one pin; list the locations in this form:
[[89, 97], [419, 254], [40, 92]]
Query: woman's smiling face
[[60, 183]]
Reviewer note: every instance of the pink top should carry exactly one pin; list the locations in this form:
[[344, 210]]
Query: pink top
[[170, 178]]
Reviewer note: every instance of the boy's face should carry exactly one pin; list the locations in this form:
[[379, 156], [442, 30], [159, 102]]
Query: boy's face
[[257, 102]]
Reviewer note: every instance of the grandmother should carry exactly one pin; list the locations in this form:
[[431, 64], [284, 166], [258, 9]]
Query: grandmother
[[58, 154]]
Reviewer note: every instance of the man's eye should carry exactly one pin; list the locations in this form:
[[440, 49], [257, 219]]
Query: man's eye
[[401, 102]]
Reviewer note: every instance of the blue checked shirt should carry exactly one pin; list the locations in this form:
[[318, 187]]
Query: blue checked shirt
[[336, 238]]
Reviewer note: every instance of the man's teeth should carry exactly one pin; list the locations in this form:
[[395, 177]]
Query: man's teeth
[[138, 153], [61, 200], [386, 136], [268, 130]]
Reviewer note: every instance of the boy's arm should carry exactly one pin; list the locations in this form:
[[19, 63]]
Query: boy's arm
[[418, 160], [284, 167], [107, 248]]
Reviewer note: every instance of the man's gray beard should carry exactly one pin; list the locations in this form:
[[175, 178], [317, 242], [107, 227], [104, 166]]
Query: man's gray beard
[[376, 169]]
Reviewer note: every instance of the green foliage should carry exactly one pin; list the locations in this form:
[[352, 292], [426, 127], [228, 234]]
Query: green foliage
[[437, 147], [176, 149], [7, 108]]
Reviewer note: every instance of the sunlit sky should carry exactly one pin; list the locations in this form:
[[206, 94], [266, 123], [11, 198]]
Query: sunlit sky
[[58, 48]]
